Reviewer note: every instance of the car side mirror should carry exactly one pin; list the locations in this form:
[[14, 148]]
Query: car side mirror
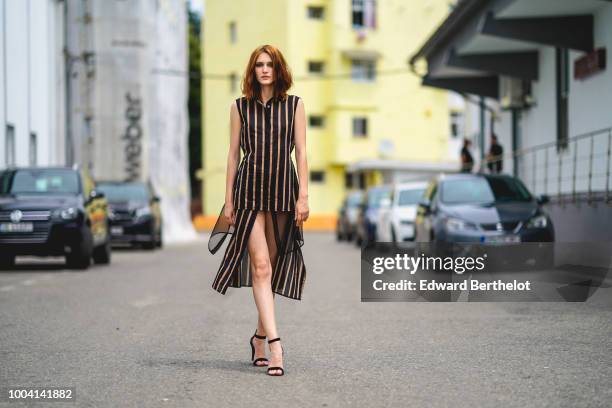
[[96, 194], [425, 206], [156, 199], [543, 199]]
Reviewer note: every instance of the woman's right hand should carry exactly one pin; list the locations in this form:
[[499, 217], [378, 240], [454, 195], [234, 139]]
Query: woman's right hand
[[229, 213]]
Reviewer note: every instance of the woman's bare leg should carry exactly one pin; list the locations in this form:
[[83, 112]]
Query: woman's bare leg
[[272, 250], [261, 269]]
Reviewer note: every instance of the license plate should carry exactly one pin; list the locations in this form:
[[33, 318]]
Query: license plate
[[16, 227], [503, 239], [116, 230]]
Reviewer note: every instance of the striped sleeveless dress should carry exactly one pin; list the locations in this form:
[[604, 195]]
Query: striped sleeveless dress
[[266, 180]]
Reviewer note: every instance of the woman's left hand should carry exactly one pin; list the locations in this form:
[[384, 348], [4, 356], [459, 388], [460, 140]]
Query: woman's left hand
[[301, 211]]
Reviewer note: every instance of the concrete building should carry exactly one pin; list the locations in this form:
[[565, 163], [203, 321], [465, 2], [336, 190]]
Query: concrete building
[[369, 119], [32, 83], [546, 64], [102, 84], [133, 111]]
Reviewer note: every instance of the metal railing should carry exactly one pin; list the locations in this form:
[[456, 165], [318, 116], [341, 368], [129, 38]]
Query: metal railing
[[578, 171]]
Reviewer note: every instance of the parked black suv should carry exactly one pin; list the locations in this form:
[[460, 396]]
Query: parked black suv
[[52, 211], [135, 214]]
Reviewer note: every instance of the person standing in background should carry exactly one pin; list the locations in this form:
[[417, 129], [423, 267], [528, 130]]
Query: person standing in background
[[467, 161], [494, 158]]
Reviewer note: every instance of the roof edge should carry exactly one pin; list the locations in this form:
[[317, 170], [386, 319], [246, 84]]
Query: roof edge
[[464, 10]]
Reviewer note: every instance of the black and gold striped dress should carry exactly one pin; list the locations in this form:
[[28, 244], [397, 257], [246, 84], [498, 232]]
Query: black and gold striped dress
[[266, 180]]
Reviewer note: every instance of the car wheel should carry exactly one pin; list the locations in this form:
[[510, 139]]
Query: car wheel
[[152, 243], [102, 254], [80, 257], [7, 261], [79, 260]]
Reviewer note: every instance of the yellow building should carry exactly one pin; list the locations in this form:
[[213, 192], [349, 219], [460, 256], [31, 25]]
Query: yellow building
[[349, 59]]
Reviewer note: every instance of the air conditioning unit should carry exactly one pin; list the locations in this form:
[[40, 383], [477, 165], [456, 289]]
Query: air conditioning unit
[[515, 93]]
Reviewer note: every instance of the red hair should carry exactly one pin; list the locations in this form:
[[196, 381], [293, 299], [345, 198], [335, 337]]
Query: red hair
[[282, 74]]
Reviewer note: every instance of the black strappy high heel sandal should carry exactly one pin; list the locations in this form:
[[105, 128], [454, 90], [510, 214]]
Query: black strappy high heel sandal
[[255, 361], [282, 371]]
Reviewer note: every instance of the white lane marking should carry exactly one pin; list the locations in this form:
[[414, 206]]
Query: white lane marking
[[144, 302], [7, 288]]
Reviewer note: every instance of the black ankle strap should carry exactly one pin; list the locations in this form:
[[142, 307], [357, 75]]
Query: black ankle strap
[[258, 336], [273, 340]]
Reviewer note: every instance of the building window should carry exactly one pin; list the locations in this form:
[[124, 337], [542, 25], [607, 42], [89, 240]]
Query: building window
[[363, 70], [348, 180], [33, 149], [364, 13], [360, 127], [362, 181], [317, 176], [232, 32], [233, 82], [316, 12], [315, 67], [316, 121], [9, 146], [562, 71], [457, 123]]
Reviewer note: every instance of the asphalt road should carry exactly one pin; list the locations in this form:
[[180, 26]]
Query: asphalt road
[[149, 331]]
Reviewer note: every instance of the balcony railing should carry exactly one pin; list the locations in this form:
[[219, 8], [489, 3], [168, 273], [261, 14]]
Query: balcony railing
[[580, 171]]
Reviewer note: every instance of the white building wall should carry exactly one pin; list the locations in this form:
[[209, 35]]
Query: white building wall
[[591, 99], [2, 85], [588, 111], [56, 75], [29, 56], [39, 58], [539, 122], [17, 81]]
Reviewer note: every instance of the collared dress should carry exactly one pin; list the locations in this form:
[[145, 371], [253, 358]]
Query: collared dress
[[266, 180]]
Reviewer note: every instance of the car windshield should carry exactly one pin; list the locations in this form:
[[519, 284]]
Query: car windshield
[[39, 181], [374, 197], [410, 197], [124, 191], [483, 190]]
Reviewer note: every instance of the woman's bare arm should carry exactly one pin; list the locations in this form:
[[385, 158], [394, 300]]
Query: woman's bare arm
[[302, 162], [234, 153]]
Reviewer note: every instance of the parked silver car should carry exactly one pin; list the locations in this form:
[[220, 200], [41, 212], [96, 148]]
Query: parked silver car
[[346, 225]]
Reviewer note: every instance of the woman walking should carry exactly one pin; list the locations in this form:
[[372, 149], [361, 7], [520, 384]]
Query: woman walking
[[265, 203]]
